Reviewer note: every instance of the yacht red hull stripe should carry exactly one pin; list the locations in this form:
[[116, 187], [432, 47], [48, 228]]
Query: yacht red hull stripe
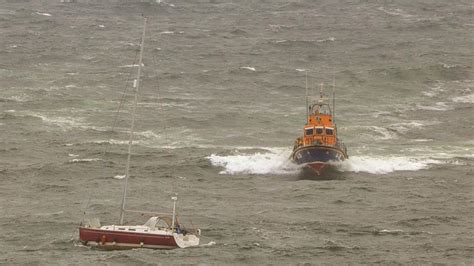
[[106, 237]]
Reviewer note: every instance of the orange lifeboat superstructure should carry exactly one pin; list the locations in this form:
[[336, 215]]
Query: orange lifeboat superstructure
[[319, 146]]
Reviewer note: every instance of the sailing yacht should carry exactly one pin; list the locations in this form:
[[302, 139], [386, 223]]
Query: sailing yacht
[[161, 231]]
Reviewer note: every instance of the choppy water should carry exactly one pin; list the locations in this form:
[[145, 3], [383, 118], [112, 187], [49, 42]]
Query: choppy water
[[220, 106]]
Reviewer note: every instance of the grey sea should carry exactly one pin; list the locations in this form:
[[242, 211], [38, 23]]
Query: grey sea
[[221, 101]]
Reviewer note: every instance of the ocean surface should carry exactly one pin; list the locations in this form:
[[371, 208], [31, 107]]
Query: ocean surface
[[220, 105]]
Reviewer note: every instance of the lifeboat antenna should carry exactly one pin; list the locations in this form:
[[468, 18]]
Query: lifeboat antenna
[[321, 93], [334, 96], [307, 106]]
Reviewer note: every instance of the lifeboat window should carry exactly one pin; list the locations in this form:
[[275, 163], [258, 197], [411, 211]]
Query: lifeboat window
[[131, 229], [329, 131], [319, 130], [120, 228], [308, 131]]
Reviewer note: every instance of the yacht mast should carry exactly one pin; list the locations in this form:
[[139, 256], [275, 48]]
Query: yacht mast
[[136, 84]]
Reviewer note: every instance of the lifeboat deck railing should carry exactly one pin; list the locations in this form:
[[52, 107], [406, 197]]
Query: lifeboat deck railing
[[299, 142]]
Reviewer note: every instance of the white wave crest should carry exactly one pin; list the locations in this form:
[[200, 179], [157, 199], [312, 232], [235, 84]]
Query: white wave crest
[[62, 122], [86, 160], [404, 127], [464, 99], [134, 65], [395, 12], [330, 39], [212, 243], [18, 98], [148, 134], [59, 121], [248, 68], [383, 133], [43, 14], [433, 91], [385, 165], [439, 106], [422, 140], [110, 141], [274, 161], [49, 213]]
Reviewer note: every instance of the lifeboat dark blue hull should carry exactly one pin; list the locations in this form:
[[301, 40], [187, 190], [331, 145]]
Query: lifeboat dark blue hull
[[318, 157]]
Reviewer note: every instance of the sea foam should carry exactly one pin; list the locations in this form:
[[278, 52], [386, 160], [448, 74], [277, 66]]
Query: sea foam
[[276, 161], [385, 165], [464, 99], [272, 162], [86, 160], [248, 68], [43, 14]]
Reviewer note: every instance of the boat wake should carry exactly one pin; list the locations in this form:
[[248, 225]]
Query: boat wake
[[275, 161], [385, 165]]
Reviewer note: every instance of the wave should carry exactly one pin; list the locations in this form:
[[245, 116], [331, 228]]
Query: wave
[[239, 32], [381, 133], [433, 91], [441, 71], [69, 122], [16, 98], [330, 39], [86, 160], [101, 142], [305, 42], [439, 106], [334, 246], [248, 68], [48, 213], [119, 176], [210, 244], [404, 127], [464, 99], [422, 140], [297, 6], [395, 12], [43, 14], [62, 122], [134, 65], [385, 165]]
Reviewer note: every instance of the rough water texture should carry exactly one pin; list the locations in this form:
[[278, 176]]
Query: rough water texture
[[220, 106]]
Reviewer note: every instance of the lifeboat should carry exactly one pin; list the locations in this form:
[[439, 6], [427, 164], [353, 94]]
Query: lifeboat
[[319, 147]]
